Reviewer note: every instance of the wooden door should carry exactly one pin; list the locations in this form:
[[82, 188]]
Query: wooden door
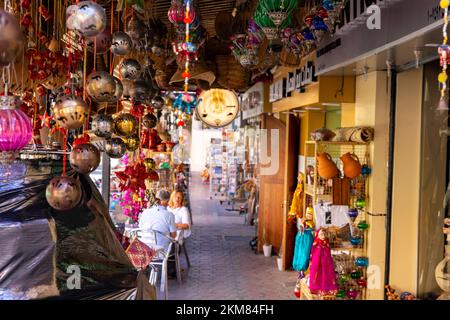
[[290, 184], [271, 197]]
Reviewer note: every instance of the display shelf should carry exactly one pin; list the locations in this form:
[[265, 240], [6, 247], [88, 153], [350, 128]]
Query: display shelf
[[319, 190]]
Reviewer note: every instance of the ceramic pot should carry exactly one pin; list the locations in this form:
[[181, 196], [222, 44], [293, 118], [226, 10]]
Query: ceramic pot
[[326, 166], [352, 166], [267, 250]]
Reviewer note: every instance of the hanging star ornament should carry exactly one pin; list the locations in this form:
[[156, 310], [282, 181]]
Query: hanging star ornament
[[46, 120], [133, 178]]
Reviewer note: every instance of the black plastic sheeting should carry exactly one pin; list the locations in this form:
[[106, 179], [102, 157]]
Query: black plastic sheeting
[[42, 249]]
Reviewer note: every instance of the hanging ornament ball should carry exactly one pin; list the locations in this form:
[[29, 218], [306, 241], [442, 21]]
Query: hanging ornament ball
[[101, 43], [361, 203], [341, 294], [366, 170], [362, 262], [115, 148], [363, 225], [352, 294], [11, 38], [132, 143], [149, 164], [87, 18], [442, 78], [121, 43], [158, 102], [130, 69], [125, 125], [85, 158], [445, 4], [150, 121], [362, 283], [70, 112], [140, 90], [63, 193], [356, 275], [101, 87], [355, 241], [102, 125]]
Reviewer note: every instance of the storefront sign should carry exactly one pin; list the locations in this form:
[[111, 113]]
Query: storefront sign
[[278, 90], [295, 81], [401, 20], [254, 101]]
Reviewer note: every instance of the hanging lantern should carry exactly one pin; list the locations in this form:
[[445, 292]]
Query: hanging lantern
[[158, 102], [141, 90], [150, 121], [70, 112], [121, 44], [102, 125], [85, 158], [125, 125], [101, 87], [11, 38], [87, 18], [132, 143], [130, 69], [63, 193], [115, 148], [217, 107], [15, 128]]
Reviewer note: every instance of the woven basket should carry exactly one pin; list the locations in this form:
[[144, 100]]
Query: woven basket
[[230, 74], [289, 59]]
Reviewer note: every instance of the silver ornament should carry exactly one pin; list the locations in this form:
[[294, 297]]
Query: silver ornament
[[63, 193], [115, 148], [85, 158], [89, 19], [70, 112], [103, 125], [101, 43], [141, 90], [101, 87], [121, 44], [150, 121], [11, 38], [158, 102], [130, 69]]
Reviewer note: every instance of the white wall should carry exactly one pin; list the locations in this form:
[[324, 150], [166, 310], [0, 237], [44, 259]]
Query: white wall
[[199, 144]]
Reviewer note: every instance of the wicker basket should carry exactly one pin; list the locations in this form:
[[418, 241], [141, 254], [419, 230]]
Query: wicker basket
[[230, 74], [289, 59]]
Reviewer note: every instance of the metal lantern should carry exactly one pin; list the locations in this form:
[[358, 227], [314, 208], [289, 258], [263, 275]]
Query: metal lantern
[[125, 125], [70, 112], [121, 44], [103, 125], [150, 121], [132, 143], [141, 90], [158, 102], [101, 87], [85, 158], [115, 148], [130, 69], [87, 18], [11, 38], [149, 164], [101, 43], [15, 127], [63, 193]]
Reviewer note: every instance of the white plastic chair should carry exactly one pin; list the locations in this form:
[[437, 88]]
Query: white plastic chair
[[163, 255]]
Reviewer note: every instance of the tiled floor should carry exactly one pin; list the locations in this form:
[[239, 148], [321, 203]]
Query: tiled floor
[[223, 264]]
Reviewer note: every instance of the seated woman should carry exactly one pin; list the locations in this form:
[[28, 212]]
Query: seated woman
[[182, 216]]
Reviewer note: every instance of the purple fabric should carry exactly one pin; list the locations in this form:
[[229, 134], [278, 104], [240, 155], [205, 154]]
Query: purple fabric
[[322, 278]]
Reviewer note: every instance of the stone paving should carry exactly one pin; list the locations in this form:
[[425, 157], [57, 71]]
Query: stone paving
[[223, 266]]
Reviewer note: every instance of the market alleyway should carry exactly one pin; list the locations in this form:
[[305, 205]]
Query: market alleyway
[[223, 266]]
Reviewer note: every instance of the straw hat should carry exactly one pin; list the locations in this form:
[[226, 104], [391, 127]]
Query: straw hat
[[199, 71]]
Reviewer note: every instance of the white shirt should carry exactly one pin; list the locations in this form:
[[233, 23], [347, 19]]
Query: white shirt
[[182, 216], [158, 218], [328, 215]]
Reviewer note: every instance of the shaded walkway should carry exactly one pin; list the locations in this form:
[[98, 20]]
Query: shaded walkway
[[223, 264]]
